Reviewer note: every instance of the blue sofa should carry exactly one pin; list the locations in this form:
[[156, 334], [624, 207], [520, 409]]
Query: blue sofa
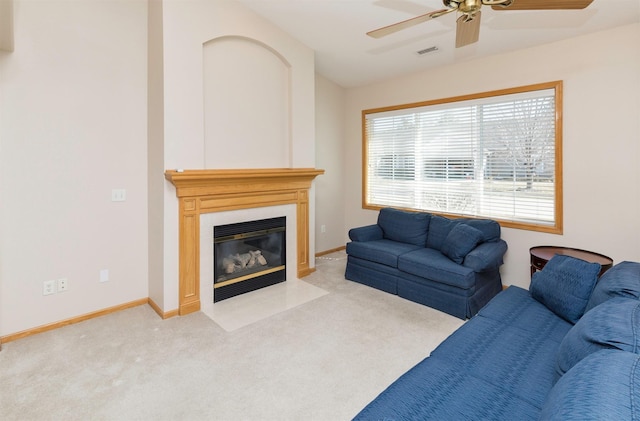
[[561, 350], [452, 265]]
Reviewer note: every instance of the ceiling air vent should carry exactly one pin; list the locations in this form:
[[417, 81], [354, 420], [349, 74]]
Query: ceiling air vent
[[427, 50]]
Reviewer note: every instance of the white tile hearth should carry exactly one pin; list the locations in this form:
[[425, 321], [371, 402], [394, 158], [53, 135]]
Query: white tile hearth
[[243, 310]]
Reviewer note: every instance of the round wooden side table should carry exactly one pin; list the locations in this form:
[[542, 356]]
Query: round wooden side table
[[540, 255]]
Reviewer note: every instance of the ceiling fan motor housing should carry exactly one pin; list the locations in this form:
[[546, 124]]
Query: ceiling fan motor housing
[[468, 7]]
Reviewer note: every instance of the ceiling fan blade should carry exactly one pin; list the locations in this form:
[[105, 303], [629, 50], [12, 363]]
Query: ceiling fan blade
[[387, 30], [544, 5], [467, 30]]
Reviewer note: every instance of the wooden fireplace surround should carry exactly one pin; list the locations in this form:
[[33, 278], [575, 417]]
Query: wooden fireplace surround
[[207, 191]]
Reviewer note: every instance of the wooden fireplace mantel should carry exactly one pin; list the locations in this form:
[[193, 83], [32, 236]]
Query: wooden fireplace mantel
[[207, 191]]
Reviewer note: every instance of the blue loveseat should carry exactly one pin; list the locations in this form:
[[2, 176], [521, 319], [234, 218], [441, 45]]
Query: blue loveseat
[[561, 350], [452, 265]]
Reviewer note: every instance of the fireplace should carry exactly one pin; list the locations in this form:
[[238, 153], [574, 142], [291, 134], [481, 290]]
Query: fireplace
[[248, 256], [214, 192]]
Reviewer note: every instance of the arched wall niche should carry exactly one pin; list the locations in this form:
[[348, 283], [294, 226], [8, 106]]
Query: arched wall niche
[[247, 105]]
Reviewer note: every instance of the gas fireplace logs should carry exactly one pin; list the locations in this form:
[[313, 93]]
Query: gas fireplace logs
[[237, 262]]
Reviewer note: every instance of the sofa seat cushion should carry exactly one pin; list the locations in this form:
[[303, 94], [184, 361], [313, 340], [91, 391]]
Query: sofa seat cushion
[[603, 386], [385, 252], [565, 285], [504, 356], [515, 306], [433, 265], [403, 226], [435, 390], [622, 280], [614, 324]]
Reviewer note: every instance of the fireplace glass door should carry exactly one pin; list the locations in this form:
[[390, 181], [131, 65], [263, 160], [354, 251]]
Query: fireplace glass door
[[248, 256]]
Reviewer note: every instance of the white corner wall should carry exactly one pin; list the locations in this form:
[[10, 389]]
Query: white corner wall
[[330, 202], [187, 27], [72, 128], [601, 74]]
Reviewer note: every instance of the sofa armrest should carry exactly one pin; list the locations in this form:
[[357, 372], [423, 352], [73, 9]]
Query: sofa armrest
[[486, 256], [366, 233]]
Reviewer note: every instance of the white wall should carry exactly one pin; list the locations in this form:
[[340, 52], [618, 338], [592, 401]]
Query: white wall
[[601, 74], [330, 204], [155, 151], [72, 127], [247, 108], [187, 27]]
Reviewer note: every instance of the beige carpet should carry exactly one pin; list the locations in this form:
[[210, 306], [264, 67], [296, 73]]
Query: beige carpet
[[323, 360]]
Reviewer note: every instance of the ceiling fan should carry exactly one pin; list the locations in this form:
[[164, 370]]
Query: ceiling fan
[[468, 24]]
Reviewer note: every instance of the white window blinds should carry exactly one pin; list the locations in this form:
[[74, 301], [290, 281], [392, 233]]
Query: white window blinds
[[491, 156]]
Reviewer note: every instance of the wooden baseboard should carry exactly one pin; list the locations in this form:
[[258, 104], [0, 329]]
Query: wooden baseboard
[[158, 310], [92, 315], [73, 320], [322, 253], [306, 272]]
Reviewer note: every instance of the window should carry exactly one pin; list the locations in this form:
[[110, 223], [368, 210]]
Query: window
[[491, 155]]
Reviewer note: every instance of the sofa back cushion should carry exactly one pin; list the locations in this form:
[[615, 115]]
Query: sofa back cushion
[[622, 280], [614, 324], [489, 228], [403, 226], [460, 241], [603, 386], [564, 286], [439, 228]]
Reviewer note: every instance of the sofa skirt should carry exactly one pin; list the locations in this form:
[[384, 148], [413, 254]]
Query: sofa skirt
[[461, 303]]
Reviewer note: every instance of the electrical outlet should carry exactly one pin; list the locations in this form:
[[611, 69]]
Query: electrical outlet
[[104, 275], [49, 287], [63, 284], [118, 195]]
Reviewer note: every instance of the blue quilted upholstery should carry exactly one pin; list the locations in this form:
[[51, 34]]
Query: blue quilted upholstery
[[515, 306], [622, 280], [614, 324], [385, 252], [502, 365], [366, 233], [489, 228], [406, 227], [504, 356], [393, 255], [487, 256], [603, 386], [434, 265], [460, 241], [372, 274], [565, 285], [435, 390], [439, 228]]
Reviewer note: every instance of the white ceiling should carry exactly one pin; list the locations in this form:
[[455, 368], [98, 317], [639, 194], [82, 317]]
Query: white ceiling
[[335, 30]]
